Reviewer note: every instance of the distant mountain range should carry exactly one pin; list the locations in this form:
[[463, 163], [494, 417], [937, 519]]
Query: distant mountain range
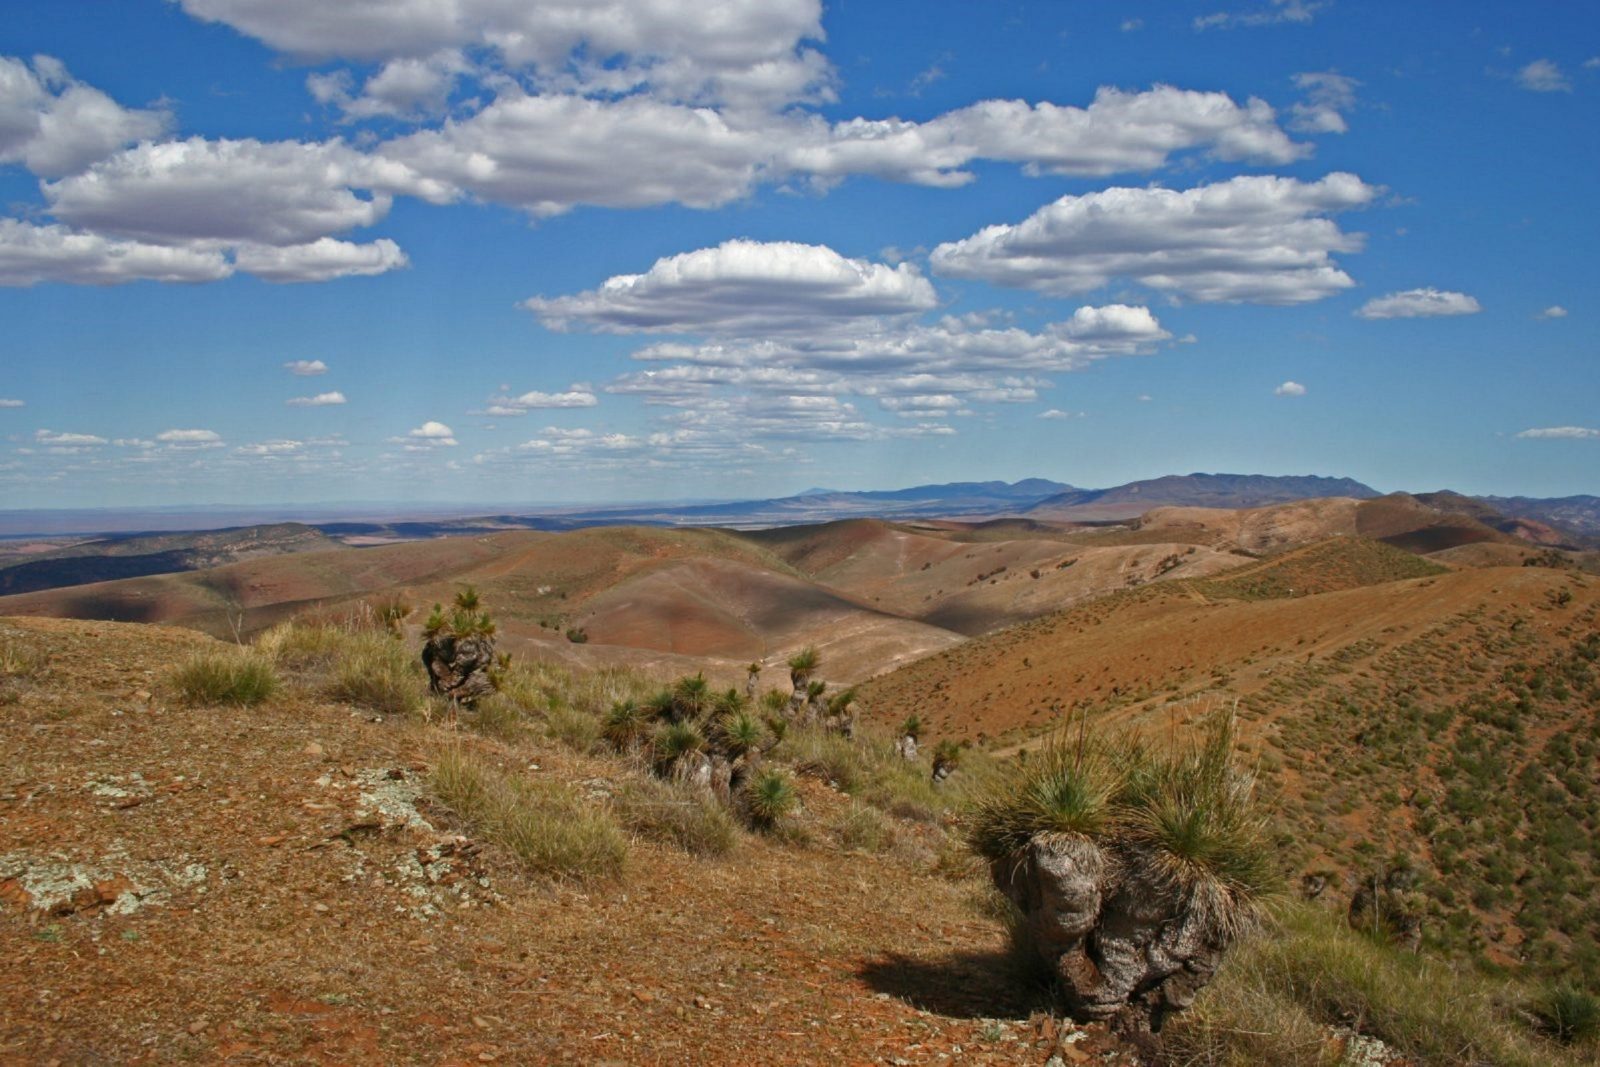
[[1197, 490], [1568, 521]]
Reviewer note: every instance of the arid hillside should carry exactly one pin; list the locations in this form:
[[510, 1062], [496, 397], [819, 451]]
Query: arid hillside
[[281, 883], [1444, 720], [869, 594]]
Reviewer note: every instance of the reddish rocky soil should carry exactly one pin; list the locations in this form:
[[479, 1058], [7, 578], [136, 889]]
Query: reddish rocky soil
[[272, 885]]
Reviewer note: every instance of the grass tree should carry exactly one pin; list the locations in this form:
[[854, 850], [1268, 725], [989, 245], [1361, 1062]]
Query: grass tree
[[1134, 867]]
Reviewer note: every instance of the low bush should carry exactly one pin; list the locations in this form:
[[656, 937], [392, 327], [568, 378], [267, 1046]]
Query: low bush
[[1569, 1015], [551, 830], [225, 677]]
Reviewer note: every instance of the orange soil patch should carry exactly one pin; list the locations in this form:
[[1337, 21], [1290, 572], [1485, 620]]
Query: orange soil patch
[[1165, 642]]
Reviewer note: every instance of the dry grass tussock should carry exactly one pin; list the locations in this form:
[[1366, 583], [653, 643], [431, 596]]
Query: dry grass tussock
[[353, 662], [677, 814], [1307, 971], [550, 829], [225, 676]]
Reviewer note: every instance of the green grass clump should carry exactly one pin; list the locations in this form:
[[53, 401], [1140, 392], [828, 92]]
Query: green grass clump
[[1569, 1015], [674, 741], [1281, 990], [548, 827], [374, 671], [627, 726], [769, 798], [679, 815], [226, 677]]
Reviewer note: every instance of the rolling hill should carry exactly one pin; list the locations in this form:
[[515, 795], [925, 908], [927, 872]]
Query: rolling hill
[[1394, 706], [134, 556]]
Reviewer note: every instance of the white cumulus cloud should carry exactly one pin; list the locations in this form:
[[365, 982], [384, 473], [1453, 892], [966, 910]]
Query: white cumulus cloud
[[1566, 433], [234, 191], [742, 286], [54, 124], [1290, 389], [577, 396], [1418, 304], [50, 437], [321, 260], [751, 52], [430, 434], [189, 439], [318, 401], [1259, 240], [1328, 97], [1543, 76], [1554, 311], [9, 402], [30, 255], [306, 367]]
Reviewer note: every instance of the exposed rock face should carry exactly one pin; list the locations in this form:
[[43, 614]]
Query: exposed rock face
[[1121, 945], [906, 748], [458, 667]]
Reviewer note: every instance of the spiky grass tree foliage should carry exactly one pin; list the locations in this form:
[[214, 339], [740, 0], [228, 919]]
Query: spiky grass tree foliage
[[1134, 866], [627, 725], [674, 742], [802, 663], [946, 758], [770, 797], [1069, 787], [691, 697], [741, 733], [1569, 1015], [911, 728]]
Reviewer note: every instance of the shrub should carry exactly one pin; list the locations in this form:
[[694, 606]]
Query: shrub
[[674, 741], [741, 733], [679, 815], [805, 661], [1068, 787], [769, 798], [232, 677], [546, 826]]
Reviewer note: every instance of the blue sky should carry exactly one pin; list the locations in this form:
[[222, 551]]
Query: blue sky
[[263, 251]]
